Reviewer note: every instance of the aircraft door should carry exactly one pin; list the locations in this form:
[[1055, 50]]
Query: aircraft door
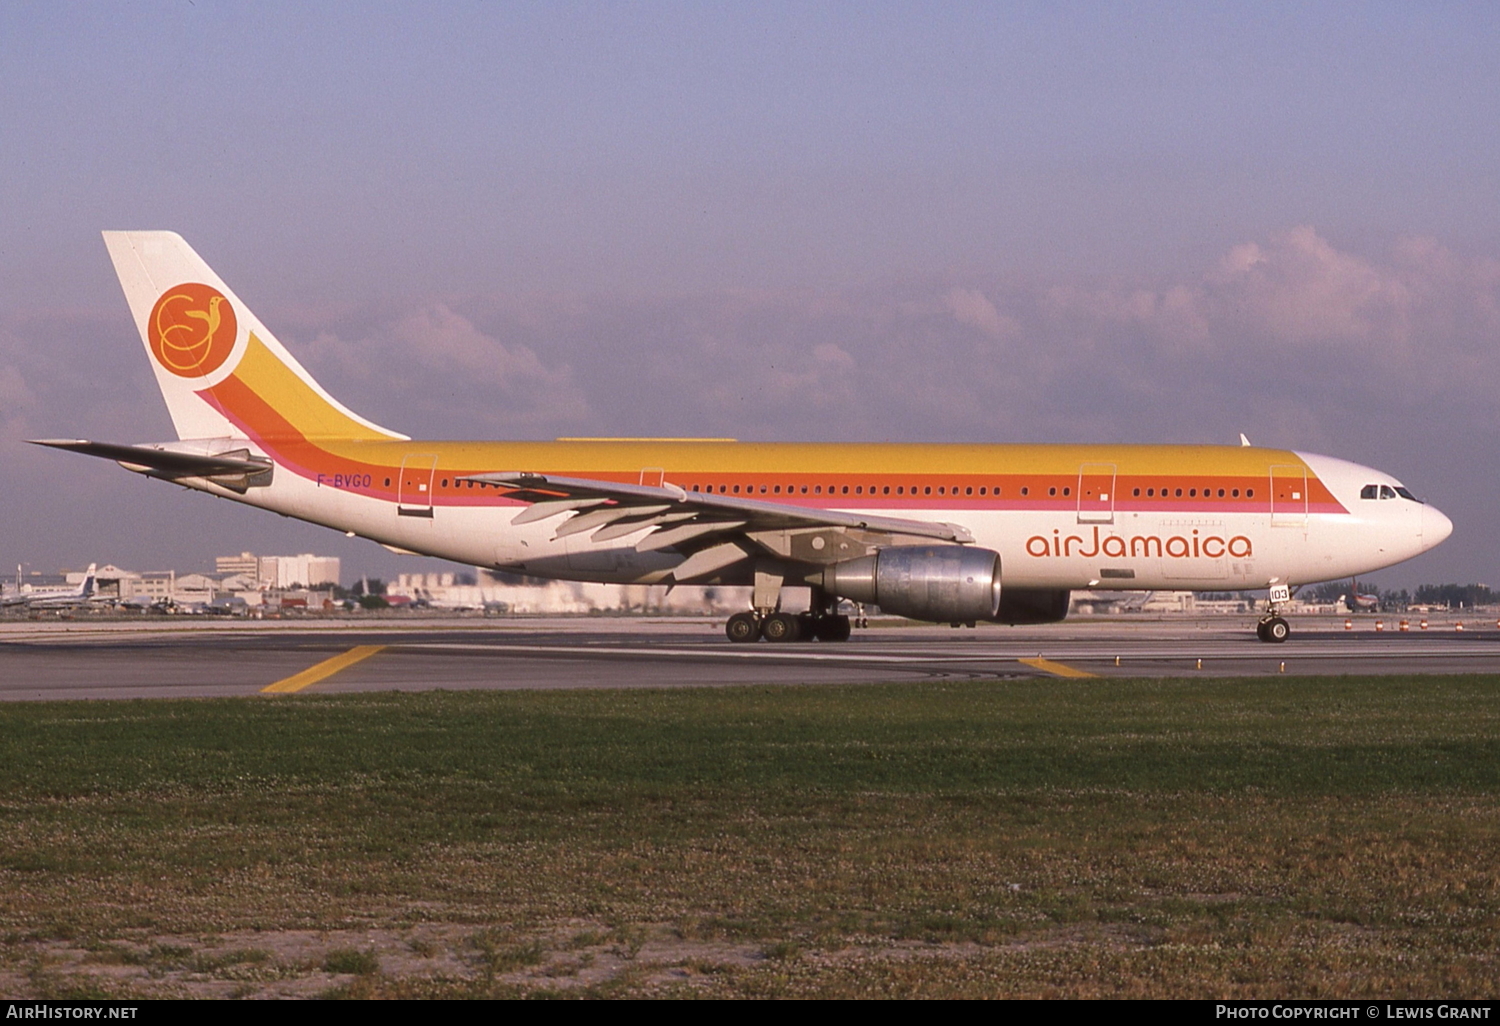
[[1096, 493], [414, 486], [1288, 496]]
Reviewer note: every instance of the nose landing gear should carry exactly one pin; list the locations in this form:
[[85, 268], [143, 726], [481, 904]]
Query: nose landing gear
[[1273, 629]]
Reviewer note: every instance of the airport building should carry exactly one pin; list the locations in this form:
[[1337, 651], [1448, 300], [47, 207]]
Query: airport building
[[301, 571]]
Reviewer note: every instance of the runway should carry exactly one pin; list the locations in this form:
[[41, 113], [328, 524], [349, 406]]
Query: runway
[[89, 658]]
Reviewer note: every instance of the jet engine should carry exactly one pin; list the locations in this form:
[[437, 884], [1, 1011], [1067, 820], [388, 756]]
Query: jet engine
[[942, 583], [1033, 605]]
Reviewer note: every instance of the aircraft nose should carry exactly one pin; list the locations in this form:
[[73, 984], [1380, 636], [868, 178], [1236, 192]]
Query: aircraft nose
[[1435, 527]]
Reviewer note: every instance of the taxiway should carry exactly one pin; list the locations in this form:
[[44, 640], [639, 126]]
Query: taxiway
[[88, 658]]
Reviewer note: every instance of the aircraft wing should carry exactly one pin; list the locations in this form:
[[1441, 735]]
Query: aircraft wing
[[715, 530], [160, 462]]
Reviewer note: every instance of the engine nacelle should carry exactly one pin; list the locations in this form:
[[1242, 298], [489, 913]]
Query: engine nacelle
[[941, 583], [1033, 605]]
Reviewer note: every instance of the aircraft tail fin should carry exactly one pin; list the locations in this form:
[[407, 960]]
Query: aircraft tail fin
[[222, 374], [86, 589]]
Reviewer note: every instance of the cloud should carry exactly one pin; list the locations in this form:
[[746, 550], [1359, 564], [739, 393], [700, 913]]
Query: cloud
[[16, 400], [969, 306], [1300, 289], [434, 363]]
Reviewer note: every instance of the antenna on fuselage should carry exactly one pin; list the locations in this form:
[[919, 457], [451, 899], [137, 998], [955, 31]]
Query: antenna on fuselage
[[1243, 440]]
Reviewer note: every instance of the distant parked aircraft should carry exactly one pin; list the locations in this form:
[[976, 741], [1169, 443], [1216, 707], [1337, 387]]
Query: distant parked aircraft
[[61, 597]]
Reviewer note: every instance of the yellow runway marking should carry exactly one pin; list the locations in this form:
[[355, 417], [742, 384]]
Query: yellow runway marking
[[1056, 669], [322, 671]]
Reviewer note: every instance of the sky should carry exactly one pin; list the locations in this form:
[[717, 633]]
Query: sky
[[992, 222]]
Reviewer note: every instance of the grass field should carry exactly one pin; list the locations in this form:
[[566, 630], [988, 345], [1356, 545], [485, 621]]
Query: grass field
[[1236, 838]]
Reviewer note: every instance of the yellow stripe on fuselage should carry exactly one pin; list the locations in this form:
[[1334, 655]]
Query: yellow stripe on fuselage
[[679, 458], [315, 438]]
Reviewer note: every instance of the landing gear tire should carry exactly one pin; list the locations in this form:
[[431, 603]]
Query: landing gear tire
[[834, 628], [1274, 630], [779, 628], [807, 626], [743, 627]]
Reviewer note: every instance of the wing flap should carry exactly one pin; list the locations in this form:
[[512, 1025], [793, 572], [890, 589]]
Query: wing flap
[[706, 561], [684, 533], [755, 514]]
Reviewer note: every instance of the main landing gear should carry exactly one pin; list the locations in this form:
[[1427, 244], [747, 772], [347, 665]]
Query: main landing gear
[[786, 627], [821, 621]]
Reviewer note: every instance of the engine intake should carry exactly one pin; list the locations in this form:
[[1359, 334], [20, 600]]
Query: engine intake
[[941, 583]]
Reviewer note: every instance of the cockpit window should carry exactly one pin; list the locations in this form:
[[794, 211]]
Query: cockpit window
[[1386, 492]]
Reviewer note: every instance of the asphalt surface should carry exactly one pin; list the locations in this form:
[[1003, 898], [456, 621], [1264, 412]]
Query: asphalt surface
[[92, 657]]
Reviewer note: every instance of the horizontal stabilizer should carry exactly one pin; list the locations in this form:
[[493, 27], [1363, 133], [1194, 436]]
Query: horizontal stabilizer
[[166, 462]]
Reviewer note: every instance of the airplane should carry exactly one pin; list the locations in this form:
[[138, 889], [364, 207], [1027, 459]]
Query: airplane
[[949, 533], [1358, 602], [61, 597]]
